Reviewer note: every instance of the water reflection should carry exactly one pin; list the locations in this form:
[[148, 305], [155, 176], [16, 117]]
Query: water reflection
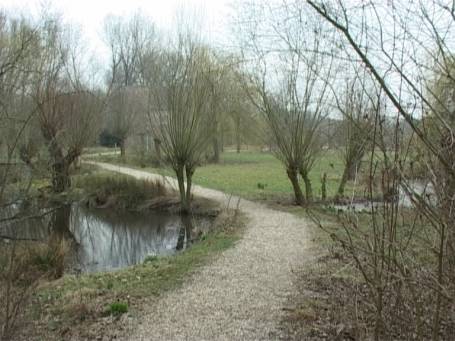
[[187, 233], [103, 240]]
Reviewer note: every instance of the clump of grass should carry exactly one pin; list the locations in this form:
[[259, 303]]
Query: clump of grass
[[49, 258], [22, 267], [117, 308], [127, 191], [23, 262], [150, 259]]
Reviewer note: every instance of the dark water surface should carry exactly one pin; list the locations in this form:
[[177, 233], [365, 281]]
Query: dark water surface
[[107, 239]]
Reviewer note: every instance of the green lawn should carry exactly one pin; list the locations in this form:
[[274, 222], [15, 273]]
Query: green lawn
[[247, 172], [243, 174]]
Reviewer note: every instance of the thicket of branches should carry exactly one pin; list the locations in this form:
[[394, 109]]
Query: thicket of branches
[[405, 255]]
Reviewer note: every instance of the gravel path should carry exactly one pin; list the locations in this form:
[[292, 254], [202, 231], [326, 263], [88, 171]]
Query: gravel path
[[241, 294]]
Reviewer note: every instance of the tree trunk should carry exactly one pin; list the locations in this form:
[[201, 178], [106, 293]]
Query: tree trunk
[[189, 183], [352, 169], [60, 163], [324, 187], [349, 173], [293, 177], [77, 163], [143, 148], [157, 143], [61, 234], [216, 150], [60, 224], [181, 240], [343, 181], [61, 180], [122, 148], [179, 172], [308, 188], [238, 135], [185, 238]]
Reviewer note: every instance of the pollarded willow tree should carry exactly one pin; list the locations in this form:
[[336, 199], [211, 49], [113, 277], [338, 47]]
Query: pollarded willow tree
[[290, 78], [358, 105], [68, 105], [179, 81]]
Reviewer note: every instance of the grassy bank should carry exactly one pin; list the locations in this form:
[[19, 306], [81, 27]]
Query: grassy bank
[[88, 305]]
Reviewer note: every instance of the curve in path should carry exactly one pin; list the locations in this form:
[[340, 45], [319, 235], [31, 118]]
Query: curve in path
[[240, 295]]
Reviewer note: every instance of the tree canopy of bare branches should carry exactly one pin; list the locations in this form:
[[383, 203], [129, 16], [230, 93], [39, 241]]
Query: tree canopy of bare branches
[[290, 80], [358, 109], [407, 48], [68, 109], [180, 112], [128, 39]]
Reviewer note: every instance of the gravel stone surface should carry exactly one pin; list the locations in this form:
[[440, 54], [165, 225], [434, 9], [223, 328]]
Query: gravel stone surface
[[241, 294]]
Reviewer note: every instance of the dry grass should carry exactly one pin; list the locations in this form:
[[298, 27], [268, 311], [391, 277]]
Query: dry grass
[[22, 267], [334, 302], [120, 190]]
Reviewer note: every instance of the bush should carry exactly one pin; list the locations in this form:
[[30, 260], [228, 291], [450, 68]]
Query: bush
[[118, 308]]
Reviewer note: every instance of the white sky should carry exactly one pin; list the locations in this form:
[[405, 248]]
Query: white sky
[[89, 14]]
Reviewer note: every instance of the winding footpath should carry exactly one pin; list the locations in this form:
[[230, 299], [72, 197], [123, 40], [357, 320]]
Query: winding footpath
[[241, 294]]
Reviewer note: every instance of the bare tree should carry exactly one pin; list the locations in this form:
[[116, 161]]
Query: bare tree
[[125, 108], [128, 39], [357, 108], [68, 109], [291, 82], [180, 108]]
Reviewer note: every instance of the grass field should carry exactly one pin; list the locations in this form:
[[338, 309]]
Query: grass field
[[255, 175]]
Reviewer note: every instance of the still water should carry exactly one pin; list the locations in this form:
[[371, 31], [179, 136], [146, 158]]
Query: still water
[[405, 199], [107, 239]]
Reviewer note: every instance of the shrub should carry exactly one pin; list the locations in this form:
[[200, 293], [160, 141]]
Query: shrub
[[118, 308]]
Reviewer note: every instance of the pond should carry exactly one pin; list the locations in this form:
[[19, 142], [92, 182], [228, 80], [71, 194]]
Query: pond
[[107, 239], [404, 197]]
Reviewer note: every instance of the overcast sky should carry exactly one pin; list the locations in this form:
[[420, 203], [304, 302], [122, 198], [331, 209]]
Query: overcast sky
[[89, 14]]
